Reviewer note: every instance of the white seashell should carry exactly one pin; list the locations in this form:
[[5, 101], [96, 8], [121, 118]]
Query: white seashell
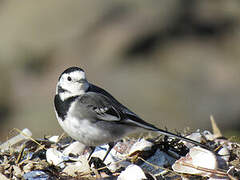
[[77, 167], [141, 145], [197, 158], [53, 139], [196, 136], [132, 172], [55, 157], [75, 148]]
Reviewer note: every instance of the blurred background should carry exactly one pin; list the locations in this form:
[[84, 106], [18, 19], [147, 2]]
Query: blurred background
[[174, 63]]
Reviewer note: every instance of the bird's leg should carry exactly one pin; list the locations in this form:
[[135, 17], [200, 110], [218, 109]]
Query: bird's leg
[[111, 145], [92, 148]]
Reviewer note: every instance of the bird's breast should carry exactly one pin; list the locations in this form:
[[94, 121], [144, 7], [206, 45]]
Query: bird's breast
[[85, 131]]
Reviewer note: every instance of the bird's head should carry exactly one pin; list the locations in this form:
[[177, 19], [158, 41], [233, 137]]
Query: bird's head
[[72, 82]]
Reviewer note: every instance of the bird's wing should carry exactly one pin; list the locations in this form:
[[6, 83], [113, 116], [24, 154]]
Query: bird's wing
[[122, 108], [103, 106], [98, 106], [95, 105]]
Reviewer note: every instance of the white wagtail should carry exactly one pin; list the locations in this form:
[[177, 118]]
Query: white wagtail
[[92, 116]]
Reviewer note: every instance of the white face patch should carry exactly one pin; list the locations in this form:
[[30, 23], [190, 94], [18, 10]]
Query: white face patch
[[72, 84]]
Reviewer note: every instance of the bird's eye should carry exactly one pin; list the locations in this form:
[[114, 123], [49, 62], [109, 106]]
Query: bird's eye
[[69, 78]]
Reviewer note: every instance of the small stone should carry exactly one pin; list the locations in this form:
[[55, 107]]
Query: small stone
[[132, 172]]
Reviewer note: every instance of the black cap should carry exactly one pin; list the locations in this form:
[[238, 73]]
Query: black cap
[[71, 69]]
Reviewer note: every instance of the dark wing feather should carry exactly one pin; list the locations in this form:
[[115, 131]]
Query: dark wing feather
[[122, 108], [127, 116], [99, 106]]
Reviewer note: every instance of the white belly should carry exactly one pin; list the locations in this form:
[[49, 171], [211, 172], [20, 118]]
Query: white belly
[[86, 132]]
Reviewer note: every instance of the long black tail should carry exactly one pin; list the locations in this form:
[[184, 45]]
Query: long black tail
[[182, 138], [139, 122]]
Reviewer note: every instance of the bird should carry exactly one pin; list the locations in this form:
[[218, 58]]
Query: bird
[[92, 116]]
